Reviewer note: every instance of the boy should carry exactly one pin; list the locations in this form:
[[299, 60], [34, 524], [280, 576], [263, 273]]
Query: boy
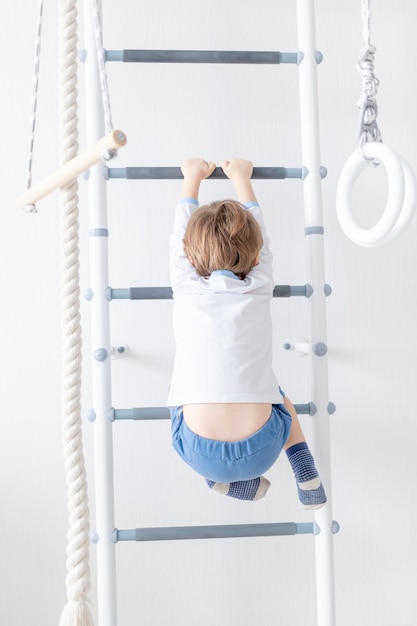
[[230, 420]]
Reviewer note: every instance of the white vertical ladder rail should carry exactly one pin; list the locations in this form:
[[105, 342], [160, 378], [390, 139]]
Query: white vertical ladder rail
[[310, 140], [102, 535]]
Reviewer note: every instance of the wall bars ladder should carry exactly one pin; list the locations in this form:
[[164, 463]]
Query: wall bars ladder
[[103, 415]]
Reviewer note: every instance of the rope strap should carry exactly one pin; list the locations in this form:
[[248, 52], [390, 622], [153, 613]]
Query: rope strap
[[101, 58], [31, 208]]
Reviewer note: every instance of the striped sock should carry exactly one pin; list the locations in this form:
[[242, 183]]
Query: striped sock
[[253, 489], [310, 490]]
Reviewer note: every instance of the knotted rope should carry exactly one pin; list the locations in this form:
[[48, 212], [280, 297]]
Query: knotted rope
[[368, 129], [76, 612]]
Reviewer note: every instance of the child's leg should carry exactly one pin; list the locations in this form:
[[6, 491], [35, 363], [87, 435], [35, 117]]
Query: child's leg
[[254, 489], [310, 490]]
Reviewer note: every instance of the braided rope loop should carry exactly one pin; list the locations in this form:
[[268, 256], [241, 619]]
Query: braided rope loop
[[76, 612]]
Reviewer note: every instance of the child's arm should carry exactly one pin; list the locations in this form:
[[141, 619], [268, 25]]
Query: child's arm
[[240, 171], [194, 171]]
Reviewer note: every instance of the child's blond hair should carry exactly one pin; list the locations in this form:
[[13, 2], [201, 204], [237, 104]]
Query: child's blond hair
[[222, 235]]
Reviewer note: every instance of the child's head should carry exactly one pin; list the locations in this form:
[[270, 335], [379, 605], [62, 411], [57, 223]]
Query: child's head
[[223, 236]]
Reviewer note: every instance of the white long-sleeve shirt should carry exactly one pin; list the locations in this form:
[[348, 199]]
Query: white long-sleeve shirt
[[222, 326]]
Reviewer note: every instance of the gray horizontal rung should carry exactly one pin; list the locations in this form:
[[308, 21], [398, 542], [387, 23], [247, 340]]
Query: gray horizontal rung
[[142, 413], [165, 293], [202, 56], [142, 293], [162, 413], [215, 532], [287, 291], [174, 173]]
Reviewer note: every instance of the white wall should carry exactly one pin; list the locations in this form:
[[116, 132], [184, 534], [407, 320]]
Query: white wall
[[170, 113]]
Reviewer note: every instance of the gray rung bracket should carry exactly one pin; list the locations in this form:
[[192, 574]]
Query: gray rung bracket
[[215, 532], [162, 413], [174, 173], [165, 293], [202, 56]]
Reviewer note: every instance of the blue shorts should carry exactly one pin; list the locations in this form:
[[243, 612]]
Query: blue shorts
[[230, 461]]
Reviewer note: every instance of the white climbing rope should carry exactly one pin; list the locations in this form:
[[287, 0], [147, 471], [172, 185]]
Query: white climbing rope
[[402, 183], [76, 612]]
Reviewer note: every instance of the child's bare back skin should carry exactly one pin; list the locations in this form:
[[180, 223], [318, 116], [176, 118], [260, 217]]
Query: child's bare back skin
[[226, 421]]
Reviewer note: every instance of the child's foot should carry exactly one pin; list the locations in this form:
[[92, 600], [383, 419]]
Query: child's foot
[[254, 489], [310, 490], [311, 494]]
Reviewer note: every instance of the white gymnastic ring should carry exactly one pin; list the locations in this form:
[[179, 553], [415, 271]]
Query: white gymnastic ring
[[409, 203], [354, 166]]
